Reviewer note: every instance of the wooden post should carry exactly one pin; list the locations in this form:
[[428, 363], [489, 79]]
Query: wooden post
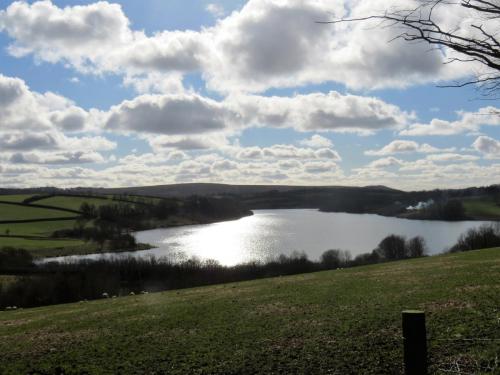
[[415, 342]]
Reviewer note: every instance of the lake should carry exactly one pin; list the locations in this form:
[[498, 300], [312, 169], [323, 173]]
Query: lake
[[269, 233]]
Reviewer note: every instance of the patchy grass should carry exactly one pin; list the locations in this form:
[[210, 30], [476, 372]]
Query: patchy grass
[[336, 322], [486, 209]]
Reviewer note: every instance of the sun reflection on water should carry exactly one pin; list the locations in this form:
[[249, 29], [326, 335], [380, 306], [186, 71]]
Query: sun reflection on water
[[227, 242]]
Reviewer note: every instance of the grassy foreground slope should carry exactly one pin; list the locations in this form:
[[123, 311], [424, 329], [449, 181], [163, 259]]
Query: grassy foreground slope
[[336, 322]]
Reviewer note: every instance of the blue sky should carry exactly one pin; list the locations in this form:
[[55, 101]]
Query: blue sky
[[155, 92]]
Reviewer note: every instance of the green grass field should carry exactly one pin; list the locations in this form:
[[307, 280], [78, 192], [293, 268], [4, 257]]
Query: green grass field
[[12, 212], [482, 208], [44, 245], [336, 322], [36, 228], [73, 203], [18, 198]]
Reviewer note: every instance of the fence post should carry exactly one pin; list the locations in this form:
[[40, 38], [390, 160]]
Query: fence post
[[415, 342]]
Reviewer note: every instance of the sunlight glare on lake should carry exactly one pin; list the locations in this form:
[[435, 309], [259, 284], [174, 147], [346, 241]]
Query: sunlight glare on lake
[[269, 233]]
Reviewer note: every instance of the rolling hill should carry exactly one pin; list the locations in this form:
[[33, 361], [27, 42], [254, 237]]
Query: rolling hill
[[334, 322]]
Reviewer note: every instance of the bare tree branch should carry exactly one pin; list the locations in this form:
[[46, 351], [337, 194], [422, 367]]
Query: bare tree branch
[[478, 44]]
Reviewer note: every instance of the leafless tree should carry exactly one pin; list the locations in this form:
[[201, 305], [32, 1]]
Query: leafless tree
[[479, 43]]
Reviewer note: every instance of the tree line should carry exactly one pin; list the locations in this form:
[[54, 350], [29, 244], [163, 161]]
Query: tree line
[[52, 283]]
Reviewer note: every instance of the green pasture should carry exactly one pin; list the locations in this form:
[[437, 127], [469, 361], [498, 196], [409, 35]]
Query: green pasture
[[73, 203], [35, 228], [336, 322], [12, 212], [482, 208], [16, 198]]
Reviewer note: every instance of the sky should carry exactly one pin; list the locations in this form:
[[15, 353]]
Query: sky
[[130, 93]]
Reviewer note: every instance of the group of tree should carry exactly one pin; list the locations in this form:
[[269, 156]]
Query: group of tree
[[393, 247], [111, 224], [484, 237], [52, 283], [448, 209], [12, 258]]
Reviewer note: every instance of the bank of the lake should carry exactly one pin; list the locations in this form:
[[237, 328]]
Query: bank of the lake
[[269, 233]]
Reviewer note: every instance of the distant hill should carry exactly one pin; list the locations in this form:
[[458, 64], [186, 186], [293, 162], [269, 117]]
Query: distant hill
[[184, 190], [375, 199]]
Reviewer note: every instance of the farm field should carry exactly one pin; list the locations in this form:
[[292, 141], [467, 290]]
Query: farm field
[[333, 322], [17, 198], [10, 212], [482, 208], [35, 235], [36, 228], [73, 203]]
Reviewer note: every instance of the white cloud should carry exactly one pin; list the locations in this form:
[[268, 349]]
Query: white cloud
[[224, 165], [488, 146], [320, 112], [152, 82], [403, 146], [280, 44], [265, 44], [319, 167], [26, 141], [450, 157], [285, 152], [79, 157], [205, 141], [52, 140], [316, 141], [82, 35], [216, 10], [97, 38], [34, 128], [169, 114], [468, 122], [189, 116], [385, 163], [21, 108]]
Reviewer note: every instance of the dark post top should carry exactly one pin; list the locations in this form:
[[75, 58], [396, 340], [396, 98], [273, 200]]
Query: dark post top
[[415, 342]]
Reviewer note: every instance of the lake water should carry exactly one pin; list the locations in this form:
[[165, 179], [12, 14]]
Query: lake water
[[269, 233]]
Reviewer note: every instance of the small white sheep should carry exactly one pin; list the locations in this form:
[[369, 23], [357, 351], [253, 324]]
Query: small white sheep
[[105, 295]]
